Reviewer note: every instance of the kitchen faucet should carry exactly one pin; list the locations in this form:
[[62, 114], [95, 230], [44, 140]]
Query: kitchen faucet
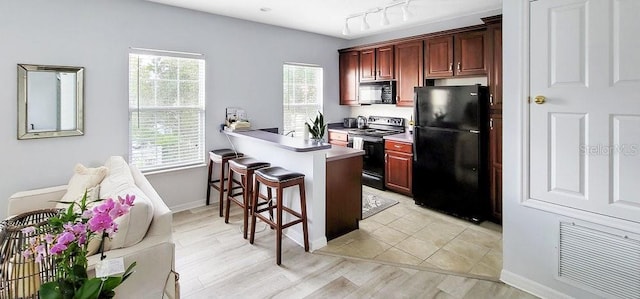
[[290, 132]]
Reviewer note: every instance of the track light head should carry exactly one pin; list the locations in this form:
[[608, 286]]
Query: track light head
[[405, 12], [364, 26], [384, 21], [345, 30]]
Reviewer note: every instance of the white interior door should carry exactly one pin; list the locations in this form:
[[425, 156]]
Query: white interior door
[[585, 137]]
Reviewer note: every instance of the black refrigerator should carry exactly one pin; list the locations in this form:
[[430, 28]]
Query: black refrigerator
[[450, 150]]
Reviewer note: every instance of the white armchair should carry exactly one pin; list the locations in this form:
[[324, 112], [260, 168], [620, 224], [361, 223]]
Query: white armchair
[[154, 275]]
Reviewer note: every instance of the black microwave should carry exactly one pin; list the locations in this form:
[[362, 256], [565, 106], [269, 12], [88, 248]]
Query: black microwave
[[377, 93]]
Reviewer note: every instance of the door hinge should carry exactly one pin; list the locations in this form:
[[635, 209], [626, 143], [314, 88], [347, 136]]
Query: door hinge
[[491, 124]]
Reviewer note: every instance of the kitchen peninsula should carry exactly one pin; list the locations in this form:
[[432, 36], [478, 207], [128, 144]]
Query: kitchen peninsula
[[333, 181]]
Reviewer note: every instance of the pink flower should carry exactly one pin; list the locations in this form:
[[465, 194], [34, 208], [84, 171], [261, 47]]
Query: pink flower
[[27, 253], [48, 238], [105, 207], [87, 214], [58, 248], [100, 222], [66, 238], [128, 200], [28, 230], [118, 210]]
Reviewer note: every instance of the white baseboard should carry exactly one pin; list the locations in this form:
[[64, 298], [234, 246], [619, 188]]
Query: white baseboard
[[531, 286], [189, 205], [298, 238]]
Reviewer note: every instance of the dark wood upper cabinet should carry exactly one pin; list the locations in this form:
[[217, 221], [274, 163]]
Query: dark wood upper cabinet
[[409, 71], [439, 57], [384, 63], [376, 64], [461, 54], [494, 34], [349, 69], [367, 65], [469, 55]]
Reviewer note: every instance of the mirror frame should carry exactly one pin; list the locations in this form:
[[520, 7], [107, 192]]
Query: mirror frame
[[23, 70]]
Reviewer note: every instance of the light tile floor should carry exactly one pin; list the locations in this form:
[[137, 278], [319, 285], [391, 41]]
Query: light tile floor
[[413, 235]]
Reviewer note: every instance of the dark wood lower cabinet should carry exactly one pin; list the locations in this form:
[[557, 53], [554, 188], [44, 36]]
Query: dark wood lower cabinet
[[343, 196], [398, 160], [495, 167]]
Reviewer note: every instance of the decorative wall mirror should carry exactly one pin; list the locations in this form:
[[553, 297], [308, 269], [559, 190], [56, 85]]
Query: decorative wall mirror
[[50, 101]]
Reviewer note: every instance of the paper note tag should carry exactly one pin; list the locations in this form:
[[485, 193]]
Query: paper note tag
[[109, 267]]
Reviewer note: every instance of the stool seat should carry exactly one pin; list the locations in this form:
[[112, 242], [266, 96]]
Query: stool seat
[[220, 154], [219, 157], [277, 174], [248, 163]]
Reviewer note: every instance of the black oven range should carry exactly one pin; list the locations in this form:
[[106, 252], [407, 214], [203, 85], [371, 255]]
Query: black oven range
[[373, 144]]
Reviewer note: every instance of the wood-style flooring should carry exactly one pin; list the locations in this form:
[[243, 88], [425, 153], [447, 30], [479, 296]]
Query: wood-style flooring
[[214, 261]]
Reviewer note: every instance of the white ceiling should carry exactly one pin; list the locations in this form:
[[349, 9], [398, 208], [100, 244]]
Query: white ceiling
[[327, 17]]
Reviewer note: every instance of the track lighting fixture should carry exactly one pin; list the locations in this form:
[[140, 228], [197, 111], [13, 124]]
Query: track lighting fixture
[[384, 20]]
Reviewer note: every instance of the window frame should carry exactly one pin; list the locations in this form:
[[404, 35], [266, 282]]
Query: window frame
[[134, 107], [319, 105]]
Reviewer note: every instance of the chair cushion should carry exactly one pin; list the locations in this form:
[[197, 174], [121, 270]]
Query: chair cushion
[[277, 174], [132, 227], [84, 179], [247, 163]]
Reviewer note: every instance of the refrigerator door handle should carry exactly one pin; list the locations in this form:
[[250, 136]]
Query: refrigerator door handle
[[474, 131], [414, 146]]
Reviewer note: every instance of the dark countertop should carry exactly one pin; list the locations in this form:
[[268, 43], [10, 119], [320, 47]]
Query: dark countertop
[[402, 137], [289, 143]]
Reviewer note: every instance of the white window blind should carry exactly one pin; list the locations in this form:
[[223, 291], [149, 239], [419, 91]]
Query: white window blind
[[302, 96], [166, 111]]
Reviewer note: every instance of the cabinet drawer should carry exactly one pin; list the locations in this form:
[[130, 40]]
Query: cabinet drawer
[[398, 146], [337, 136]]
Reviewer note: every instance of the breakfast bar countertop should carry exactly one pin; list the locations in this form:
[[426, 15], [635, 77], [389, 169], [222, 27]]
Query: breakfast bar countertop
[[288, 143]]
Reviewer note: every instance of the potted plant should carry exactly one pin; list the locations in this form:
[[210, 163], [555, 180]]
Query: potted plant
[[317, 127]]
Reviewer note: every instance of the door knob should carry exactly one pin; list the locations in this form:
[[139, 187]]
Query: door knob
[[539, 100]]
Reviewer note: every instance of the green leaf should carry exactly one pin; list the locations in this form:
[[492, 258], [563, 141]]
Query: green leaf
[[90, 289], [111, 283], [50, 290], [129, 271], [79, 271]]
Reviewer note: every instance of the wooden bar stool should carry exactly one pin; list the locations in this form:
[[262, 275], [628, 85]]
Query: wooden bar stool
[[220, 157], [245, 167], [279, 178]]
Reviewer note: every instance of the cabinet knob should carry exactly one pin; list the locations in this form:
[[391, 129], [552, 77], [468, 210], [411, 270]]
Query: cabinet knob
[[491, 99], [459, 66], [451, 66]]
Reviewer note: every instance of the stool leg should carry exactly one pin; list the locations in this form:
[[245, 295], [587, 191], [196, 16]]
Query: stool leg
[[221, 195], [279, 226], [303, 208], [228, 205], [254, 207], [209, 182], [245, 199], [270, 204]]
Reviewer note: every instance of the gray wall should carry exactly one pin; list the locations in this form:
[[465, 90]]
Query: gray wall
[[244, 68]]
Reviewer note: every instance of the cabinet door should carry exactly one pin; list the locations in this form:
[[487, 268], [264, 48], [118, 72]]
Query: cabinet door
[[408, 71], [469, 54], [384, 63], [349, 62], [439, 57], [398, 172], [495, 74], [495, 166], [368, 65]]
